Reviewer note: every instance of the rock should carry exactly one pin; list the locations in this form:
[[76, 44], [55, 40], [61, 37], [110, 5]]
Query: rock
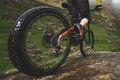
[[100, 66], [11, 72]]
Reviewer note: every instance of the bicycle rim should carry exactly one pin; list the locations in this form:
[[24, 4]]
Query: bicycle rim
[[38, 46]]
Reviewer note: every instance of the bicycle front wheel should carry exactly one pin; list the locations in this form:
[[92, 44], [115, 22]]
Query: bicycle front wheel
[[87, 43], [30, 47]]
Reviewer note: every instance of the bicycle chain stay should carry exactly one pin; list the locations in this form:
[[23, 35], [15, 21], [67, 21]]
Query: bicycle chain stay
[[65, 33]]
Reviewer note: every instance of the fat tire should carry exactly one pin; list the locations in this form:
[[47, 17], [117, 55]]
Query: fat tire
[[16, 39]]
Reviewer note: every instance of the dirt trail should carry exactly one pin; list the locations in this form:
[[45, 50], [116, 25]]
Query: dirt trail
[[100, 66]]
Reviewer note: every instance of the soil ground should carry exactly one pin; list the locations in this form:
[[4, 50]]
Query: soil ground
[[100, 66]]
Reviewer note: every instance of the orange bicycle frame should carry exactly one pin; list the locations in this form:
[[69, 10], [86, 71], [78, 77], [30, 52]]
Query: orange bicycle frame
[[64, 34]]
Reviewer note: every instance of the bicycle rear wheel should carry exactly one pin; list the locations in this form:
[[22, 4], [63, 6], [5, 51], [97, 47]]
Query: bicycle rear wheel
[[87, 43], [30, 47]]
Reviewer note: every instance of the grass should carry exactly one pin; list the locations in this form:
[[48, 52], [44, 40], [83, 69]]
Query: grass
[[105, 38], [5, 63]]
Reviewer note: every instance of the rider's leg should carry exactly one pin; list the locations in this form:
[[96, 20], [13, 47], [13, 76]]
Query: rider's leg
[[84, 22], [83, 9], [78, 27]]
